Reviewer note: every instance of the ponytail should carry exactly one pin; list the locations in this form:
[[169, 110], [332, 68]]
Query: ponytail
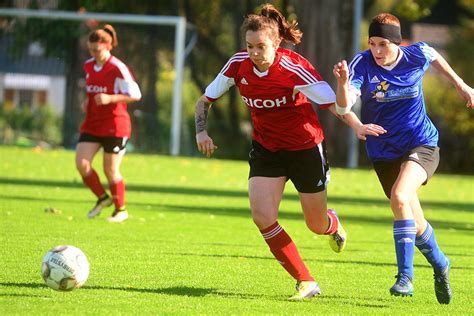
[[109, 29], [272, 20], [287, 30]]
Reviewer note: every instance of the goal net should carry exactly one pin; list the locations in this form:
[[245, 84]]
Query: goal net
[[42, 80]]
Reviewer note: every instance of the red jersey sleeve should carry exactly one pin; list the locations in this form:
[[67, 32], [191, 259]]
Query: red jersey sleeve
[[225, 78]]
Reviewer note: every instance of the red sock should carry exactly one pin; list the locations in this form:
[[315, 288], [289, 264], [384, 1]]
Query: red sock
[[118, 193], [92, 181], [333, 223], [285, 252]]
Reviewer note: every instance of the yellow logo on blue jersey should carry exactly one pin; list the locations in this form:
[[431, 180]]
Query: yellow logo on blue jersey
[[383, 94], [380, 90]]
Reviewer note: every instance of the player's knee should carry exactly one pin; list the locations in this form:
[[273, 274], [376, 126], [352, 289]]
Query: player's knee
[[83, 166], [399, 198], [112, 176], [262, 218]]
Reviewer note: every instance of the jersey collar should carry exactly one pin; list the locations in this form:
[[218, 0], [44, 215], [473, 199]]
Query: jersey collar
[[261, 74], [400, 55], [98, 67]]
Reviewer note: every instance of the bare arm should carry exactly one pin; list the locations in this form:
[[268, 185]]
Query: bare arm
[[463, 89], [104, 99], [343, 99], [204, 142], [361, 130], [200, 114]]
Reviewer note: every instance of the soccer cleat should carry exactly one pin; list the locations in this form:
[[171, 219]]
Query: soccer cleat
[[337, 241], [305, 290], [118, 216], [102, 203], [441, 285], [403, 286]]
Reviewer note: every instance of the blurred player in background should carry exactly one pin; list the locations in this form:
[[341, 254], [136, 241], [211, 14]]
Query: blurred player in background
[[388, 78], [287, 140], [110, 86]]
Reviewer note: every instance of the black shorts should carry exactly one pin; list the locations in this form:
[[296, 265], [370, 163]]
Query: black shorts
[[387, 171], [112, 145], [308, 169]]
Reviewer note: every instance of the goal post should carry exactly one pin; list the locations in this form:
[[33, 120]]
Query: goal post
[[178, 22]]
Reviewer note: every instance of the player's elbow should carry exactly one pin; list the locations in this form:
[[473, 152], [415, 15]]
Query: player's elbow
[[341, 110]]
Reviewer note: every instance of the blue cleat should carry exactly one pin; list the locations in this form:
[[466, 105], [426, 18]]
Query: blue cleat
[[441, 285], [403, 286]]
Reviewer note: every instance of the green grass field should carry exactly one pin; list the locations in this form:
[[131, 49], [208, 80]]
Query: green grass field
[[190, 246]]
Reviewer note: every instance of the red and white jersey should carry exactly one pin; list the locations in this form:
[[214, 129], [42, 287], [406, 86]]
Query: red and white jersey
[[113, 77], [282, 116]]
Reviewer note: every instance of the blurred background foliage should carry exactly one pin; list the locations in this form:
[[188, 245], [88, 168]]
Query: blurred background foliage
[[148, 50]]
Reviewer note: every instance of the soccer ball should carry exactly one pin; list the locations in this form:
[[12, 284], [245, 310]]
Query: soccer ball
[[65, 268]]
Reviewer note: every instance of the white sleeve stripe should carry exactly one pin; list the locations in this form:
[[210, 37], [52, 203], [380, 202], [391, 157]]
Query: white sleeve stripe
[[127, 76], [241, 54], [352, 66], [230, 62], [236, 58], [299, 70]]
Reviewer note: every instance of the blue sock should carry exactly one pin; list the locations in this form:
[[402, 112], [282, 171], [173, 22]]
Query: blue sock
[[404, 234], [428, 246]]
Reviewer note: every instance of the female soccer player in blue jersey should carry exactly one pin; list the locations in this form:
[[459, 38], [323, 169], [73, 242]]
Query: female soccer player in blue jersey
[[388, 78]]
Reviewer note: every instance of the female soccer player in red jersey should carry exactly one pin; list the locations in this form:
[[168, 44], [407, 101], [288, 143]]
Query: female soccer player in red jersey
[[287, 140], [110, 86]]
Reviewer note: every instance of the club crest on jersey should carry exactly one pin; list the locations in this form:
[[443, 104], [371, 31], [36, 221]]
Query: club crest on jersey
[[267, 103], [244, 81], [96, 89], [380, 90], [382, 93]]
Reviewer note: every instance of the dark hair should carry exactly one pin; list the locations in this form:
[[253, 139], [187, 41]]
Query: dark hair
[[386, 18], [271, 19], [106, 34]]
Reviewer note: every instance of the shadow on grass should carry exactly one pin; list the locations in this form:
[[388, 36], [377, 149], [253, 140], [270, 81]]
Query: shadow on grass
[[187, 291], [352, 262], [383, 218], [450, 205], [175, 290], [353, 301]]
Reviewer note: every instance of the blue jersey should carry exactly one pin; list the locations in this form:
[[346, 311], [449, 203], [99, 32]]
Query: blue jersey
[[392, 97]]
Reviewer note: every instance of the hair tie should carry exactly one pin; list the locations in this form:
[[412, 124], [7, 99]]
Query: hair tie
[[109, 32]]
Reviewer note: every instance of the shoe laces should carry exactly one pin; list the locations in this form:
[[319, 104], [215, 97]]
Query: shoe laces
[[337, 237], [440, 277], [403, 279]]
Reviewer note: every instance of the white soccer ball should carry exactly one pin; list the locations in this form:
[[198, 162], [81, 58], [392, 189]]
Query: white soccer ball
[[65, 268]]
